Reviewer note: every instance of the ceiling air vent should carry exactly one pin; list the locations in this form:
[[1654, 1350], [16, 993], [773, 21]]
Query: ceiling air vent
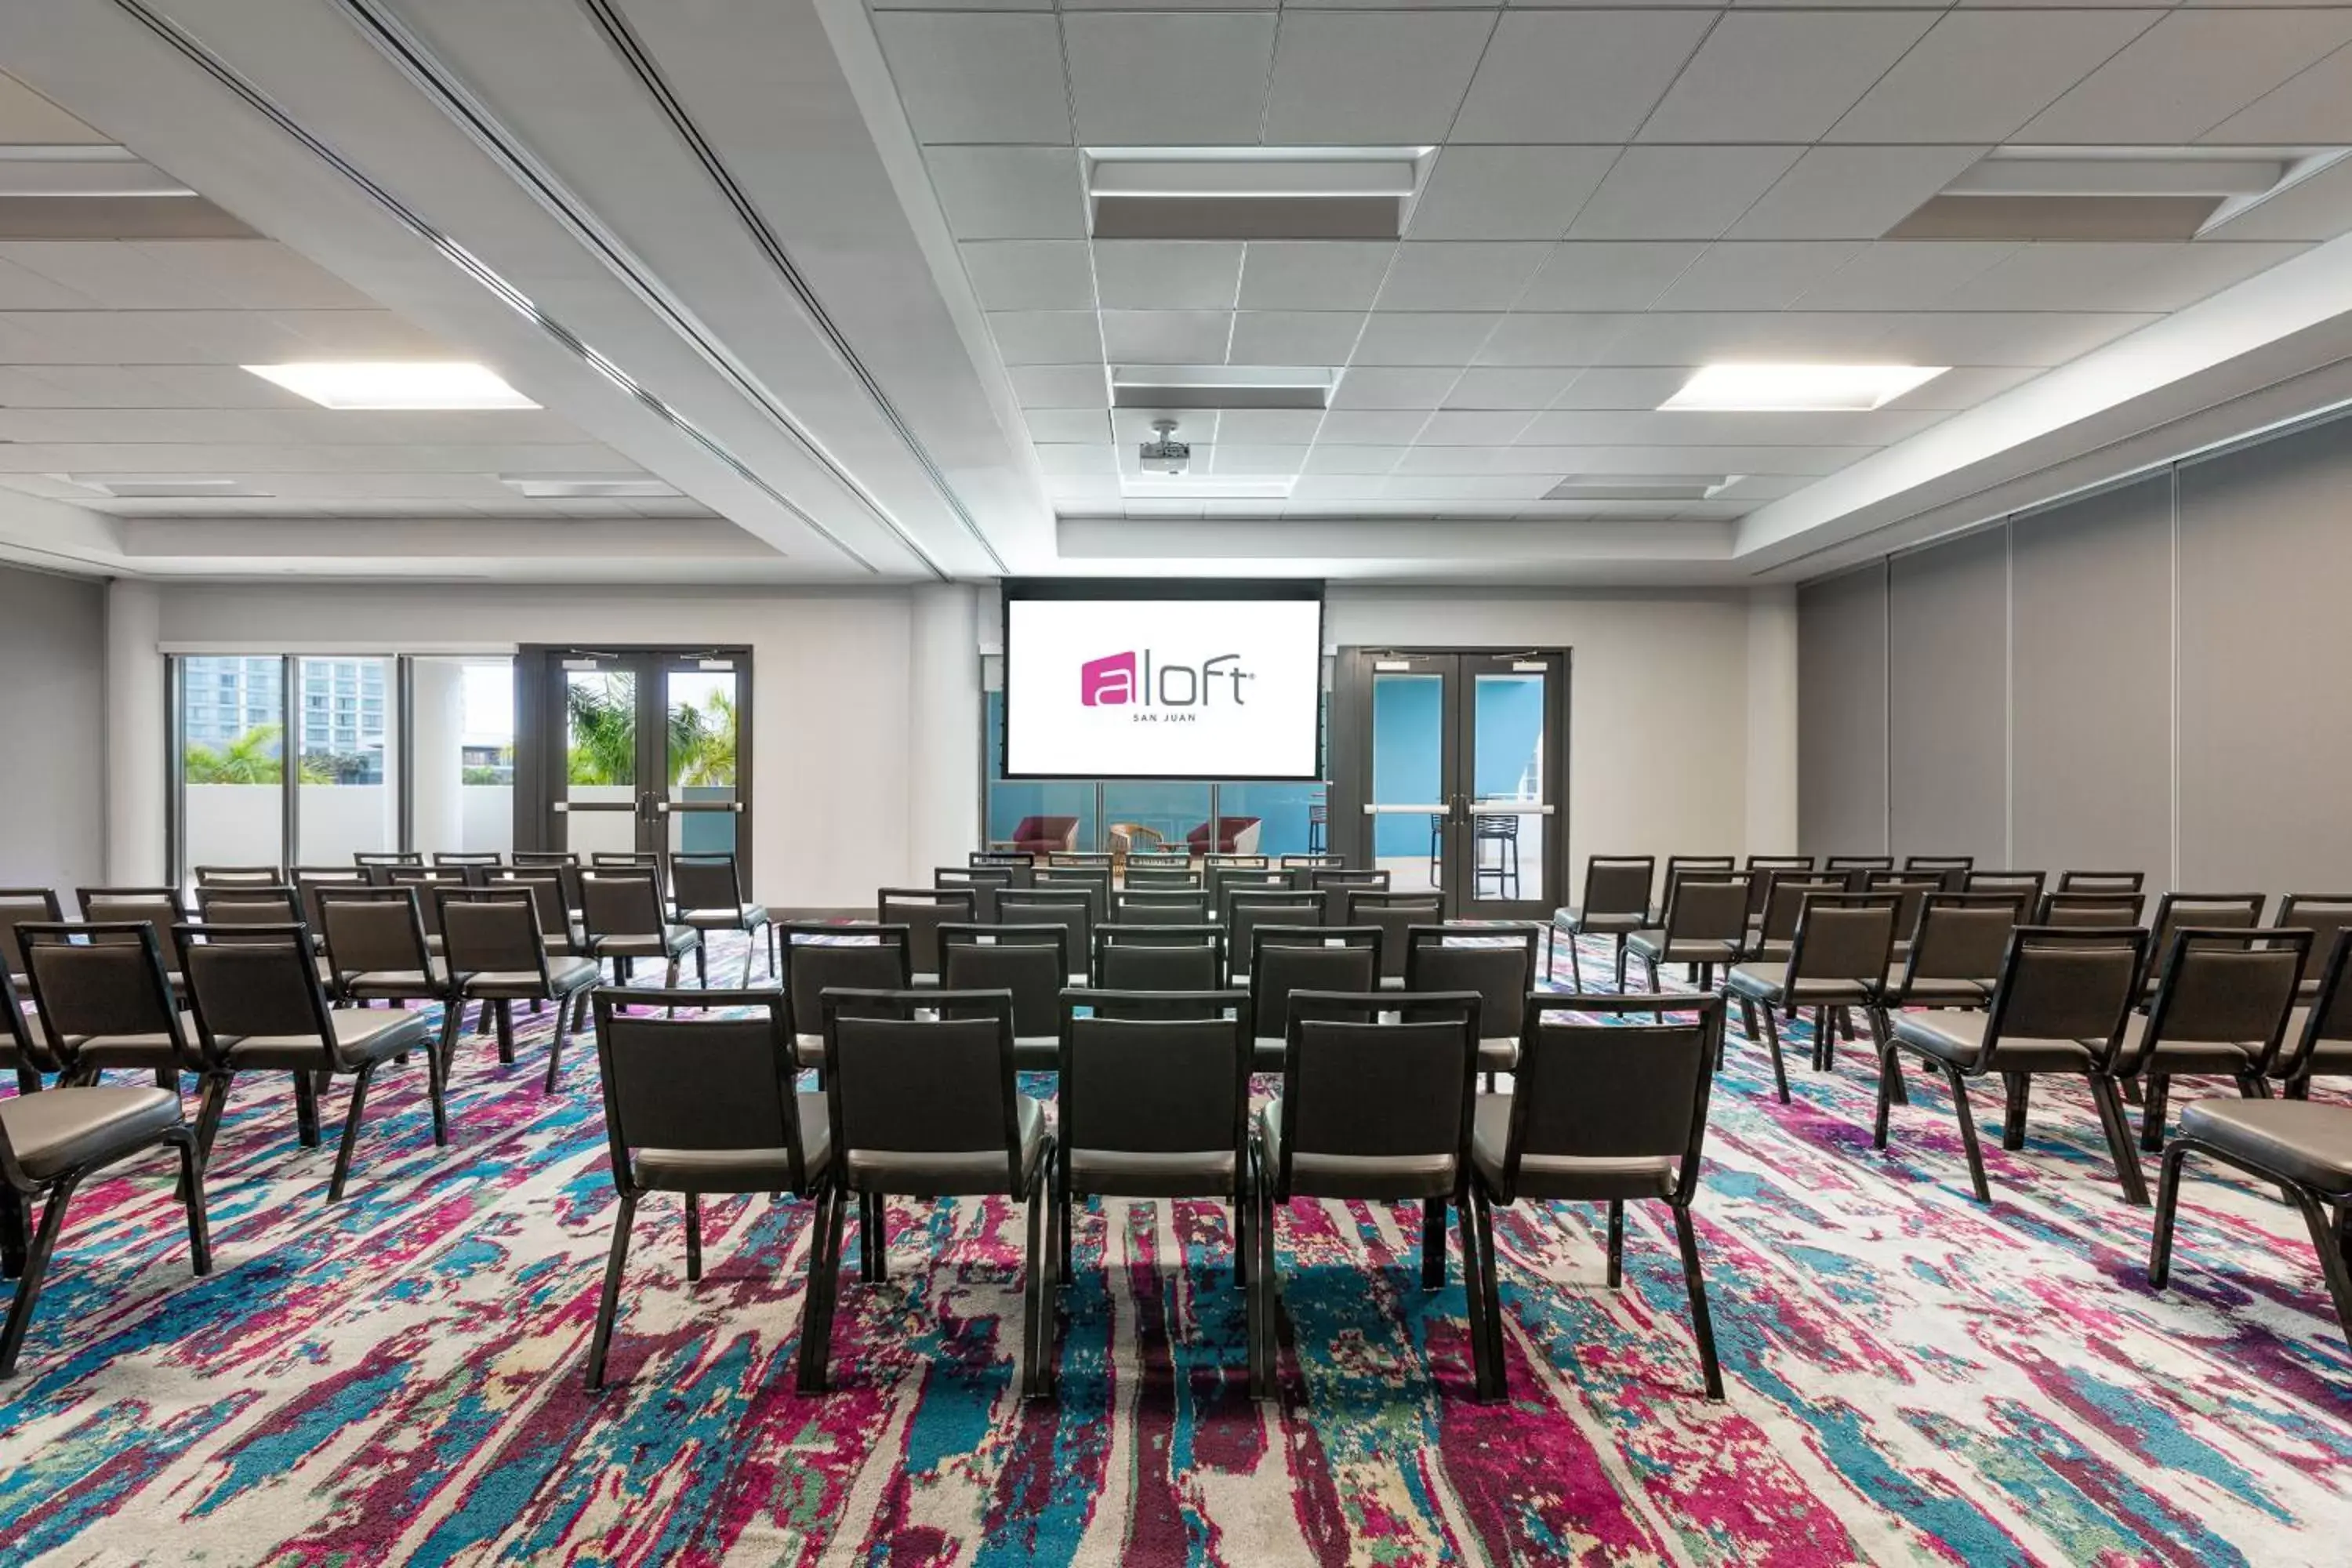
[[1221, 386], [1638, 487], [69, 191], [164, 487], [588, 486], [1253, 193], [2107, 193]]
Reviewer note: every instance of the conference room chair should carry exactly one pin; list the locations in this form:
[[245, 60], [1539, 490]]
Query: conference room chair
[[1336, 883], [2305, 1149], [1032, 964], [706, 891], [258, 1007], [1160, 862], [24, 1046], [1375, 1105], [2324, 916], [923, 910], [157, 908], [1284, 960], [1705, 926], [1158, 1106], [1395, 914], [2060, 1007], [2100, 881], [552, 899], [378, 952], [1774, 930], [2177, 911], [1616, 902], [2023, 887], [1224, 881], [2319, 1035], [1837, 960], [1072, 908], [1909, 889], [624, 919], [1950, 871], [2223, 1000], [1094, 883], [425, 881], [1148, 879], [703, 1103], [924, 1104], [309, 879], [376, 862], [247, 903], [1599, 1111], [625, 860], [1160, 907], [1761, 867], [1019, 862], [1498, 962], [984, 882], [564, 863], [239, 877], [850, 956], [1246, 908], [1227, 861], [1955, 955], [17, 906], [1161, 959], [2090, 910], [498, 956], [1312, 860], [53, 1141], [474, 864], [106, 999], [1080, 860]]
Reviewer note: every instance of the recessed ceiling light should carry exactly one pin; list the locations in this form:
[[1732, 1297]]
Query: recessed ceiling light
[[1221, 386], [587, 487], [1799, 388], [76, 169], [395, 383], [1638, 487]]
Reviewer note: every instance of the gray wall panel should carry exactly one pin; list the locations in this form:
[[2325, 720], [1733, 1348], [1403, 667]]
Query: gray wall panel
[[1842, 714], [1947, 697], [2265, 643], [52, 732], [2091, 728]]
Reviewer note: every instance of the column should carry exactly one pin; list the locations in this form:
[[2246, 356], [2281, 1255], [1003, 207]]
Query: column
[[437, 699], [1771, 720], [138, 761], [943, 729]]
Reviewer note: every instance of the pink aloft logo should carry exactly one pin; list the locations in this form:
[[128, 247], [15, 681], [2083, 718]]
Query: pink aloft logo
[[1121, 680]]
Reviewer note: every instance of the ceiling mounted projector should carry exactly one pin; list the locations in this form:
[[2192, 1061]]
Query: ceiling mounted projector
[[1165, 454]]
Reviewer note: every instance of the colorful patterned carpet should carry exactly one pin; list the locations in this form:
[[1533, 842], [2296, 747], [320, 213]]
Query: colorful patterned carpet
[[1913, 1378]]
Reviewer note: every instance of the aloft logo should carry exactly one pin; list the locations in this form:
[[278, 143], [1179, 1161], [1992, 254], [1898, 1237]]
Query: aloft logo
[[1141, 680]]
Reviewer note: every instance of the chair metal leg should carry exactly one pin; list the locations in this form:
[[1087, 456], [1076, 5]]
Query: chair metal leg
[[506, 1032], [1824, 1040], [693, 1237], [37, 1264], [1616, 1243], [1490, 1288], [1882, 1030], [1065, 1226], [2119, 1140], [452, 1013], [1702, 1325], [2296, 1088], [1473, 1291], [436, 1088], [2168, 1205], [608, 1300], [701, 967], [1779, 1066], [2153, 1106], [2019, 1087], [209, 1107], [2333, 1245], [350, 1132], [2253, 1086], [1269, 1282], [579, 1008], [750, 951], [306, 1111], [1432, 1243], [1037, 1269], [191, 1199], [1967, 1131], [1889, 1074], [873, 1246], [1621, 962], [554, 1060], [816, 1302], [14, 1236]]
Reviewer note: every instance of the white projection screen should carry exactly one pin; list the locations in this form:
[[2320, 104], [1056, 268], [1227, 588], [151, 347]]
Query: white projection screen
[[1209, 681]]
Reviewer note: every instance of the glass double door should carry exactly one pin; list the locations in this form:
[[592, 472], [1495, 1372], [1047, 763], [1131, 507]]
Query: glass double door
[[1460, 774], [646, 754]]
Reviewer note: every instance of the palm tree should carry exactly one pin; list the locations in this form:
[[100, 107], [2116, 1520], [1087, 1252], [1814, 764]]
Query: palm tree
[[703, 742], [256, 757], [603, 721]]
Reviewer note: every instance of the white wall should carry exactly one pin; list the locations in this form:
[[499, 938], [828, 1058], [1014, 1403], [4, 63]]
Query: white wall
[[52, 731]]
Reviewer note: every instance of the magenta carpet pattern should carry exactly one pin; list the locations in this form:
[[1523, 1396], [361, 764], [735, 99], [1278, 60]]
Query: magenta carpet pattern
[[1913, 1377]]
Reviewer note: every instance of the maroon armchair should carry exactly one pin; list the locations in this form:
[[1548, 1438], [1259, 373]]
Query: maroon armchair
[[1226, 835], [1046, 834]]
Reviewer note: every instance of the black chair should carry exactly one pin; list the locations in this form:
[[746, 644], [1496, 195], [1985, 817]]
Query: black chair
[[1094, 880], [1778, 905], [1395, 914], [924, 1104], [105, 999], [923, 910], [983, 881], [425, 881], [2319, 1034], [239, 877], [1156, 879], [2175, 912], [1017, 861], [1246, 908], [1335, 883], [550, 895], [1762, 866], [856, 956], [1159, 863], [2092, 910], [19, 905], [52, 1142], [1498, 963], [1311, 860], [258, 1007], [2024, 888], [1284, 960], [1158, 907], [1225, 879], [24, 1044], [1599, 1113], [310, 881], [157, 908], [1072, 908], [1161, 959], [1616, 901], [707, 890], [1502, 830], [564, 863], [223, 906], [1705, 926], [1377, 1091], [1706, 868], [696, 1105], [2101, 881], [1081, 859], [1158, 1106], [1955, 956], [377, 950], [2223, 998], [1854, 866], [1910, 890], [624, 920], [496, 956], [1030, 963], [2064, 996], [1216, 860], [2325, 916], [1949, 870], [1838, 960], [376, 862], [474, 864]]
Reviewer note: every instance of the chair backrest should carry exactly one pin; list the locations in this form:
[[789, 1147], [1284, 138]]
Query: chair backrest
[[1909, 889], [1761, 869], [1158, 907], [2224, 985], [1707, 905], [1246, 908], [548, 896], [1233, 862], [426, 881], [1159, 958], [158, 909], [1133, 1082], [1159, 860], [1498, 962], [244, 904], [1681, 865], [1783, 899], [2101, 881], [1618, 884], [1336, 883], [1950, 871], [855, 955], [1853, 865], [2176, 912], [2022, 888], [100, 978], [708, 1080], [378, 861], [2321, 915], [309, 880], [1378, 1076], [2067, 983], [474, 864], [1070, 907], [2329, 1017], [1081, 859], [2089, 910], [1017, 861], [1396, 914], [1168, 879], [16, 1032], [545, 858], [1612, 1088], [705, 881], [1310, 860], [624, 860], [1031, 964], [1284, 958], [239, 877], [487, 931], [264, 982], [626, 901], [1844, 936], [1961, 936], [1225, 880], [372, 930], [922, 910], [923, 1072], [19, 905]]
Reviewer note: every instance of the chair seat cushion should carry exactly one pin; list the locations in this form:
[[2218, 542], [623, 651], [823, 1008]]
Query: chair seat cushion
[[744, 917], [1037, 1053], [2170, 1057], [125, 1052], [1356, 1176], [1588, 1177], [741, 1170], [1934, 991], [59, 1129], [925, 1174], [1127, 1173], [674, 942], [1653, 943], [361, 1035], [809, 1050], [1957, 1037], [399, 984], [1764, 982], [564, 976], [2299, 1139], [1602, 923]]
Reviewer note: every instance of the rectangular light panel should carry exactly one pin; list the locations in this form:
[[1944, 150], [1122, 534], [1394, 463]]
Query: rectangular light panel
[[1799, 388], [396, 384]]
